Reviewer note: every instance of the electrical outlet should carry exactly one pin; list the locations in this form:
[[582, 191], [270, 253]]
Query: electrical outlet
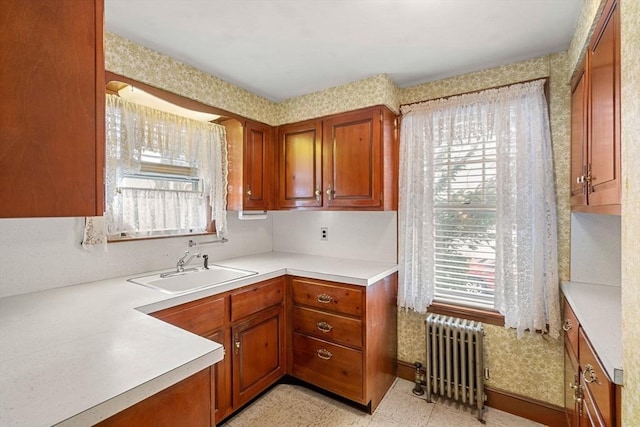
[[324, 233]]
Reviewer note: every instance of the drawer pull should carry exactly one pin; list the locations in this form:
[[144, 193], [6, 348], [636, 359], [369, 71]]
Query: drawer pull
[[324, 354], [324, 326], [567, 325], [588, 370], [324, 298]]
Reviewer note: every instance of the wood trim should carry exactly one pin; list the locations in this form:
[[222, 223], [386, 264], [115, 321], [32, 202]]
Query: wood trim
[[525, 407], [477, 314], [174, 98], [522, 406]]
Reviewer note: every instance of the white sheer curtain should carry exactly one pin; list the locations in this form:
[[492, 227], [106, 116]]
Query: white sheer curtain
[[132, 129], [526, 281]]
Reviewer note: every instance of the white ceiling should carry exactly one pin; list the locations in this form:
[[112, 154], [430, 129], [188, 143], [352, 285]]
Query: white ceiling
[[280, 49]]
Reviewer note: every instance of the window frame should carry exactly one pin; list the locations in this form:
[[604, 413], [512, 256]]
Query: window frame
[[114, 82]]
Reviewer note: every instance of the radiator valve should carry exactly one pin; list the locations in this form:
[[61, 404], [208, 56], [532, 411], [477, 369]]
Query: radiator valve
[[418, 390]]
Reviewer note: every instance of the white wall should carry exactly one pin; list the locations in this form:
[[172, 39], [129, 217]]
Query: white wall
[[44, 253], [596, 249], [369, 236]]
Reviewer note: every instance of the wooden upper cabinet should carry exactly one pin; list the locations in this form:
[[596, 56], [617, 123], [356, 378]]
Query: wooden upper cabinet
[[595, 121], [250, 165], [344, 161], [351, 160], [52, 113], [300, 165], [604, 112], [579, 161]]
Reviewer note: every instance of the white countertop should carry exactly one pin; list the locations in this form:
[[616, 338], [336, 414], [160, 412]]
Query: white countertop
[[598, 309], [79, 354]]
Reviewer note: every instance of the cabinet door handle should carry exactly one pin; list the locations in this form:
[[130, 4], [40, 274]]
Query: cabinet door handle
[[324, 326], [330, 192], [324, 298], [324, 354], [318, 194], [236, 347], [248, 191], [588, 370], [567, 325]]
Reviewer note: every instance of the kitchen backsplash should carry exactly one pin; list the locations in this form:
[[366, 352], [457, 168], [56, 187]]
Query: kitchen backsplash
[[369, 236], [596, 249], [45, 253]]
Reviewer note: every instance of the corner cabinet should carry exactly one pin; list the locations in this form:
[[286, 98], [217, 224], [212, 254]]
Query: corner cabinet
[[52, 114], [250, 160], [344, 337], [595, 121], [249, 323], [344, 161]]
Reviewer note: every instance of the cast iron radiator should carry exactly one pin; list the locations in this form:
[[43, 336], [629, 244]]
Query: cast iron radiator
[[455, 367]]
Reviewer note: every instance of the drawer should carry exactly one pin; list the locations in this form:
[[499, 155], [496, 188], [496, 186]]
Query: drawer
[[596, 381], [570, 327], [331, 327], [327, 296], [200, 317], [255, 298], [335, 368]]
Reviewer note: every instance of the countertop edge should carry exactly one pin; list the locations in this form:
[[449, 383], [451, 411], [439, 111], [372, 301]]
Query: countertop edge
[[122, 401]]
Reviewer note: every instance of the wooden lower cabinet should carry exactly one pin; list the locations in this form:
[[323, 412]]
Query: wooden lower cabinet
[[187, 403], [337, 336], [343, 337], [591, 398], [249, 323]]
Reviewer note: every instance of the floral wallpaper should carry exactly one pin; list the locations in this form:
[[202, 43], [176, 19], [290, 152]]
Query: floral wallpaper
[[130, 59], [630, 133], [376, 90]]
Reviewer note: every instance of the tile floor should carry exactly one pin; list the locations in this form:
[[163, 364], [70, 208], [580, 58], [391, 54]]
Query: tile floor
[[292, 405]]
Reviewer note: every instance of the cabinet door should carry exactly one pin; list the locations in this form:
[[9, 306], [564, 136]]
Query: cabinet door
[[604, 119], [352, 159], [300, 165], [52, 113], [257, 171], [258, 354], [250, 156], [579, 160]]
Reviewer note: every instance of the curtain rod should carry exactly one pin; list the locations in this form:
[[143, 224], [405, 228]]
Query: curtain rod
[[546, 91]]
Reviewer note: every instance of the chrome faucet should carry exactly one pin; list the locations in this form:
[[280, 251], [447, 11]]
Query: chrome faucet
[[184, 261]]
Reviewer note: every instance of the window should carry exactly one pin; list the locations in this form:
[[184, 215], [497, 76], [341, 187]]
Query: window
[[477, 211], [464, 203], [165, 173]]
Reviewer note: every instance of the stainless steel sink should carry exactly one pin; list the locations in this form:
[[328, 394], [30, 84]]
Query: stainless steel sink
[[192, 280]]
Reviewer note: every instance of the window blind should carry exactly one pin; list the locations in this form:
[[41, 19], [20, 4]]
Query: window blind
[[464, 203]]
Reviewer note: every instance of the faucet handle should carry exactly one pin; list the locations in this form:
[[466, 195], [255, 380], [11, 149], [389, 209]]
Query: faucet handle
[[206, 261]]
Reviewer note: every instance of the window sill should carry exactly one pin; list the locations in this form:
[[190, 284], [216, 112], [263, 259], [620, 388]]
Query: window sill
[[490, 317]]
